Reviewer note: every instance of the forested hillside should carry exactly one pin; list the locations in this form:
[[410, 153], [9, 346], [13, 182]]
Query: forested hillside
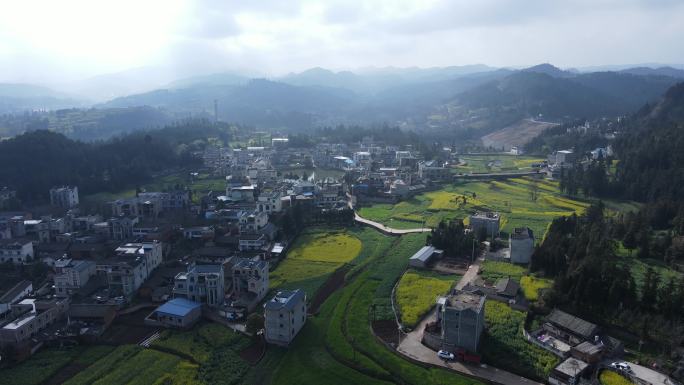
[[34, 162]]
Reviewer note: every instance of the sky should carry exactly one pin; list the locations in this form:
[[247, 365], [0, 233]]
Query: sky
[[61, 41]]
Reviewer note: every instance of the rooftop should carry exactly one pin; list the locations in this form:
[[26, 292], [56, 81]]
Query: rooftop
[[522, 233], [463, 300], [178, 307], [425, 253], [14, 291], [285, 299], [485, 215], [246, 263], [572, 323], [571, 367]]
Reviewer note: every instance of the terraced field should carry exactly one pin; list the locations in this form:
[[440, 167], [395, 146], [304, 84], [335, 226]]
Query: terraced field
[[521, 202], [314, 256]]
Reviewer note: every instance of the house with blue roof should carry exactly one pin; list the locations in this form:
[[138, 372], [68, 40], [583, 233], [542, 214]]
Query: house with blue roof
[[178, 313]]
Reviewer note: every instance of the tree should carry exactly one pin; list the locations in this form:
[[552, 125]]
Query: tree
[[649, 289], [255, 322]]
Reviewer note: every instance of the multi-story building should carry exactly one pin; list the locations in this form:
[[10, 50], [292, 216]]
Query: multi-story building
[[252, 241], [485, 221], [284, 316], [198, 232], [121, 228], [170, 200], [270, 202], [29, 317], [16, 251], [521, 242], [250, 281], [72, 275], [433, 171], [64, 196], [251, 223], [201, 283], [461, 316], [132, 265]]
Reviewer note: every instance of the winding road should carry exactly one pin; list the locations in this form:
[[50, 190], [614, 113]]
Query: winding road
[[385, 229]]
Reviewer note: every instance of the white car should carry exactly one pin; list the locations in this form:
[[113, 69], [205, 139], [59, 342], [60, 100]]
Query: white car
[[622, 366], [443, 354]]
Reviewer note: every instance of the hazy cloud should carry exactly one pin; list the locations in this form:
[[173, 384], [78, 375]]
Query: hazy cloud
[[58, 41]]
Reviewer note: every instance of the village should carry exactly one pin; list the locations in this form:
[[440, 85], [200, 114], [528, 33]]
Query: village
[[131, 267]]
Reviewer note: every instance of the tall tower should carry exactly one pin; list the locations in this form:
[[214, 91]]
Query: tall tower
[[215, 110]]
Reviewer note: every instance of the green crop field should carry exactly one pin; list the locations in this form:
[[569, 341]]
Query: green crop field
[[492, 270], [495, 163], [531, 285], [314, 255], [417, 292], [512, 198], [608, 377], [504, 344]]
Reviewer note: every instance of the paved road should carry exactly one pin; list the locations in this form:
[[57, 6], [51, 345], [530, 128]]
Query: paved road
[[386, 229], [412, 347], [650, 375]]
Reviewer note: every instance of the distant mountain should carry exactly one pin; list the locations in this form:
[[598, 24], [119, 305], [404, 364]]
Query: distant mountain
[[218, 79], [530, 93], [259, 102], [550, 70], [15, 97], [660, 71]]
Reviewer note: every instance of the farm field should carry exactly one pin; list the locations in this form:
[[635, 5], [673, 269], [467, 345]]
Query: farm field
[[313, 257], [532, 285], [512, 198], [493, 270], [496, 163], [608, 377], [45, 364], [504, 344], [417, 292]]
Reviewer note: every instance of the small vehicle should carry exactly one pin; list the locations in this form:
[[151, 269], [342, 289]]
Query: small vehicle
[[465, 356], [443, 354], [621, 366]]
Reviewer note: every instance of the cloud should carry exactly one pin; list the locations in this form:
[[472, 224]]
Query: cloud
[[74, 37]]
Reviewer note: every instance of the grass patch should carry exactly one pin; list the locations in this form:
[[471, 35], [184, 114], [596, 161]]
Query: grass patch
[[416, 294], [505, 347], [200, 342]]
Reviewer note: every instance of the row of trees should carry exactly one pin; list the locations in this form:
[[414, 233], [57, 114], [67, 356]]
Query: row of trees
[[451, 237]]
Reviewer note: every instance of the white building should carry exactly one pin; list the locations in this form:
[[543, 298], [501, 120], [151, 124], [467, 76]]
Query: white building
[[16, 251], [521, 243], [31, 316], [201, 283], [64, 196], [250, 223], [270, 202], [198, 232], [284, 316], [72, 275], [133, 264], [250, 281]]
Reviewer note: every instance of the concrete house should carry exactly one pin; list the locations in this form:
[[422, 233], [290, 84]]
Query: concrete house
[[17, 292], [285, 315], [65, 196], [16, 251], [250, 281], [201, 283], [31, 316], [132, 265], [72, 275], [487, 221], [568, 372], [521, 242], [461, 316]]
